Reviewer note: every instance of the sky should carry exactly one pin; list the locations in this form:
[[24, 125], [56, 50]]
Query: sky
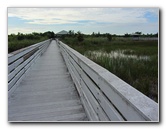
[[87, 20]]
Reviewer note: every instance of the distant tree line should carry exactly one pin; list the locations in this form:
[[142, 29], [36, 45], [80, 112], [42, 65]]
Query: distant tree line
[[141, 34], [30, 36], [20, 40], [80, 36]]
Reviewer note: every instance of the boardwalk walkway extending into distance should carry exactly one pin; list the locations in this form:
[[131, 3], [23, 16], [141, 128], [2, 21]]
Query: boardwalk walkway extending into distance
[[49, 81], [47, 93]]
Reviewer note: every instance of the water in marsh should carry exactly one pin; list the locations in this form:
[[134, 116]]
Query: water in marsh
[[137, 70], [116, 54]]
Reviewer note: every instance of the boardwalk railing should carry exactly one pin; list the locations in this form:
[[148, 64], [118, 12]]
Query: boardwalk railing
[[19, 63], [104, 96]]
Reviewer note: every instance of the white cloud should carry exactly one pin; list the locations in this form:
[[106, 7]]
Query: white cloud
[[87, 20], [27, 29], [74, 15], [16, 30]]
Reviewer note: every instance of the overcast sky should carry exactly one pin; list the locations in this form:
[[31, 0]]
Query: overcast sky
[[86, 20]]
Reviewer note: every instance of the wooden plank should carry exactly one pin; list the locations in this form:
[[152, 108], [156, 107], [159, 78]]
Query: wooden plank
[[110, 110], [25, 57], [77, 67], [15, 64], [11, 58], [140, 102], [76, 80], [91, 114], [14, 81], [11, 75], [103, 117], [10, 67], [105, 104], [122, 105], [101, 114], [15, 75], [33, 115], [11, 83], [43, 106], [87, 105], [67, 118], [17, 54], [25, 62], [99, 111], [43, 49], [14, 87]]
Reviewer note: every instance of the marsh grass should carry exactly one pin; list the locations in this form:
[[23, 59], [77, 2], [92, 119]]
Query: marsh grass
[[139, 73], [93, 43], [20, 40], [14, 45]]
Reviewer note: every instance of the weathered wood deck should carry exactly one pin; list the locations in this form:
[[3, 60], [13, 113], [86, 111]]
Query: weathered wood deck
[[47, 93]]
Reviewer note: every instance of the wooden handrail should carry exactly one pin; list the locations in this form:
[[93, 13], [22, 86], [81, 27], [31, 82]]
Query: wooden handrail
[[19, 63], [106, 97]]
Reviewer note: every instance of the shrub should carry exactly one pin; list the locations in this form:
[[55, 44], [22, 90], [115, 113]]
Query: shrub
[[80, 37], [109, 37]]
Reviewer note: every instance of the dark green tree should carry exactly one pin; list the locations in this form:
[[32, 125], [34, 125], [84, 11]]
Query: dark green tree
[[49, 34], [80, 36], [71, 33], [20, 36], [139, 33], [126, 35], [109, 37], [93, 34]]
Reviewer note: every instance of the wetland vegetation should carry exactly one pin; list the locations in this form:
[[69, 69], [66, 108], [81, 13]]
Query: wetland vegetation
[[134, 61]]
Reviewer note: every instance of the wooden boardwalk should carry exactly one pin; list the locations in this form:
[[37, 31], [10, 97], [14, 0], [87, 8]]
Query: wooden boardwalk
[[47, 93]]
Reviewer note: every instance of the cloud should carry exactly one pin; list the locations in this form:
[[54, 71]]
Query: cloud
[[74, 15], [15, 30], [87, 20]]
